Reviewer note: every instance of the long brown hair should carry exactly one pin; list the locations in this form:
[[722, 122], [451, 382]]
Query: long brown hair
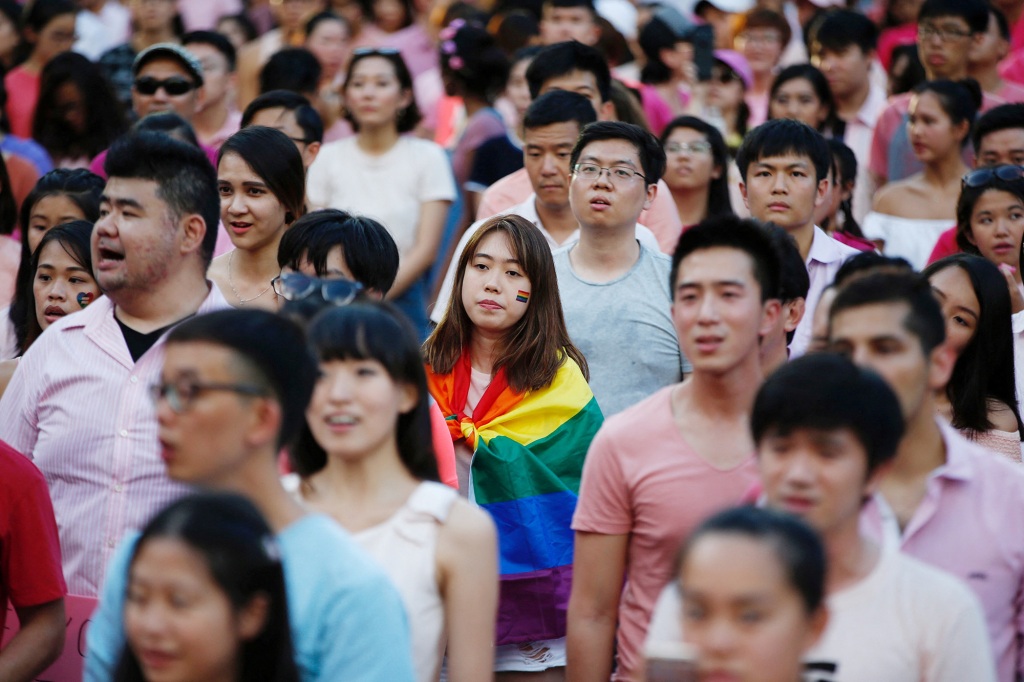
[[534, 349]]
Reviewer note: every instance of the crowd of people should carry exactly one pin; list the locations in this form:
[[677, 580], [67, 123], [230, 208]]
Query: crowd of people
[[517, 340]]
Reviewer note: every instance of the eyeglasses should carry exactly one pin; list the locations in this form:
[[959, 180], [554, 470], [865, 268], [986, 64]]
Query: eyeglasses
[[698, 147], [983, 176], [363, 51], [768, 38], [590, 171], [946, 35], [180, 394], [173, 86], [294, 286]]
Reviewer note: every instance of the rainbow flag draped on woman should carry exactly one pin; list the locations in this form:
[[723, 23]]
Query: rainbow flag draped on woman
[[528, 451]]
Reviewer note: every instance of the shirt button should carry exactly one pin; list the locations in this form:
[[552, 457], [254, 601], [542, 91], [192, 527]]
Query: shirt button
[[124, 433], [110, 543], [118, 488], [135, 380]]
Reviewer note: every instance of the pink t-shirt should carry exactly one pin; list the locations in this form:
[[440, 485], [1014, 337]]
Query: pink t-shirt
[[968, 524], [22, 95], [661, 218], [642, 478]]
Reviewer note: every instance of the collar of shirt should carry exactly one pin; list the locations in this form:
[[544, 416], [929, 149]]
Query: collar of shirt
[[872, 107], [824, 249]]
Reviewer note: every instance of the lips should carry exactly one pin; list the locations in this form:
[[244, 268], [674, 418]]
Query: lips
[[153, 659], [797, 505], [107, 258], [239, 228], [52, 313], [600, 204], [488, 304], [778, 206], [707, 343], [1003, 248]]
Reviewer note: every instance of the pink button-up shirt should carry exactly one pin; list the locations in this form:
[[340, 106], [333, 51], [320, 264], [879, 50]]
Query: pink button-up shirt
[[823, 262], [79, 407], [970, 524]]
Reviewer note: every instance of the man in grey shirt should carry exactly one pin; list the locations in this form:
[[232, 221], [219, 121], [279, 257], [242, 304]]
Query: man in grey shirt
[[614, 290]]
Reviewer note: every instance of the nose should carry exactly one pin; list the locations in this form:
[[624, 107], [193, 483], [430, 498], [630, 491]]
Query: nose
[[550, 165], [236, 204], [339, 386], [600, 180], [779, 184], [719, 636], [1002, 226], [58, 290], [708, 311]]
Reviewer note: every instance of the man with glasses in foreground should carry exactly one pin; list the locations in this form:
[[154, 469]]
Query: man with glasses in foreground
[[77, 405], [232, 392], [614, 290]]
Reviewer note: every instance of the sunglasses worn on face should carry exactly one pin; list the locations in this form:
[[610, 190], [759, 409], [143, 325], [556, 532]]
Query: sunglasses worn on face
[[294, 286], [173, 86], [724, 77], [983, 176]]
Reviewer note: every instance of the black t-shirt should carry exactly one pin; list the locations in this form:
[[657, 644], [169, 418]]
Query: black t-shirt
[[138, 343]]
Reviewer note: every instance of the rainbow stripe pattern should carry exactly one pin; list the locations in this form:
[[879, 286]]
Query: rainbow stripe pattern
[[528, 452], [523, 296]]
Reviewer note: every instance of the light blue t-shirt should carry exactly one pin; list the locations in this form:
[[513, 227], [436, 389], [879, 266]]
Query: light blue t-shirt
[[347, 619]]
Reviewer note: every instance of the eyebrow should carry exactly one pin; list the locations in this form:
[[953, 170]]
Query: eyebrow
[[491, 258], [795, 164], [620, 162], [716, 283], [120, 202], [75, 268]]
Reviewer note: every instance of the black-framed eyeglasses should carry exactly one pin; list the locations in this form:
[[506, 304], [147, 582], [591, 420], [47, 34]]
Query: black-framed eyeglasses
[[364, 51], [945, 35], [983, 176], [180, 394], [294, 286], [173, 86], [591, 171]]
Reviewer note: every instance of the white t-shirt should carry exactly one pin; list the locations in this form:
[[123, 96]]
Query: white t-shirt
[[389, 187], [905, 622]]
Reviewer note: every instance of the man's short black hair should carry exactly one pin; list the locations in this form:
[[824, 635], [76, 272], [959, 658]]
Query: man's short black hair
[[561, 59], [273, 354], [652, 156], [794, 282], [731, 232], [185, 180], [841, 28], [974, 12], [782, 136], [585, 4], [924, 317], [827, 392], [1003, 117], [559, 106], [293, 68], [368, 249], [305, 115], [866, 262], [215, 40]]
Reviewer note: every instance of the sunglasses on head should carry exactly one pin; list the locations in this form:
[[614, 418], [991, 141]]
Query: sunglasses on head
[[983, 176], [175, 85], [363, 51], [294, 286]]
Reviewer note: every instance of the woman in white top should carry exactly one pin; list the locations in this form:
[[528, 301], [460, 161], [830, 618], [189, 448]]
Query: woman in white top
[[909, 216], [403, 182], [261, 182], [372, 469]]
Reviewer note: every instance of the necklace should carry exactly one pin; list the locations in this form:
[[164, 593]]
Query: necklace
[[231, 283]]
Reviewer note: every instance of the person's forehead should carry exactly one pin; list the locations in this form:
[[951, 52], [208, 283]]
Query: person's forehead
[[198, 358], [611, 151], [140, 190], [783, 160], [717, 263], [206, 53], [946, 20], [276, 117], [874, 320], [574, 80], [161, 66], [553, 134], [1002, 140]]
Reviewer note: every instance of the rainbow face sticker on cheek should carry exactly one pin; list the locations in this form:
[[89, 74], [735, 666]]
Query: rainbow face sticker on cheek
[[523, 296], [84, 298]]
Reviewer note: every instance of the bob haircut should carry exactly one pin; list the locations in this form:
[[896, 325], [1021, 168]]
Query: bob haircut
[[969, 197], [719, 202], [984, 371], [534, 349], [369, 250], [274, 157], [407, 117], [80, 187], [233, 540], [379, 332], [827, 392], [74, 238], [796, 546], [818, 82]]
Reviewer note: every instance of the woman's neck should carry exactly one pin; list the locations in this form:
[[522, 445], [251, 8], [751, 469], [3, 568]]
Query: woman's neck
[[473, 104], [250, 272], [946, 171], [377, 139], [483, 350], [762, 83], [691, 204], [146, 38]]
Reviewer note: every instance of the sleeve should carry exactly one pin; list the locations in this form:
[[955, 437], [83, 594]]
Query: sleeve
[[875, 226], [104, 640], [887, 122], [946, 246], [604, 504], [31, 551], [663, 219], [373, 647], [437, 180], [962, 649], [318, 180], [444, 448], [19, 425]]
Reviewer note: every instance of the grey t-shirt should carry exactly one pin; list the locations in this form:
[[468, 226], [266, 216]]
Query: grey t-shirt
[[624, 329]]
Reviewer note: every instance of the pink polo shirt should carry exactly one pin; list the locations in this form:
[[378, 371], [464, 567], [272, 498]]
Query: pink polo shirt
[[513, 189], [970, 524], [79, 407]]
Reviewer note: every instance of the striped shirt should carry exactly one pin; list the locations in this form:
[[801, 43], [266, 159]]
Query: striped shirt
[[78, 406]]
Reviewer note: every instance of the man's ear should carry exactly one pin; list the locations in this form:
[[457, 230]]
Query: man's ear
[[194, 232], [794, 312], [607, 112], [652, 192], [771, 311], [819, 197]]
